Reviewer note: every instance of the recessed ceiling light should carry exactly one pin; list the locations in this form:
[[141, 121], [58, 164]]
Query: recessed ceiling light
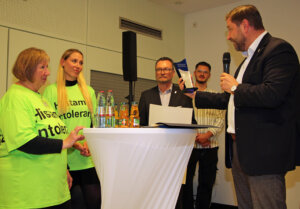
[[178, 2]]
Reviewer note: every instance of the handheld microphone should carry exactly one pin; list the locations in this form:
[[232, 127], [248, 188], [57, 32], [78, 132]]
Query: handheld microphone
[[226, 62]]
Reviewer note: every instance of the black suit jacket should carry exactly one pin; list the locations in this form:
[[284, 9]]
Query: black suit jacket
[[265, 108], [151, 96]]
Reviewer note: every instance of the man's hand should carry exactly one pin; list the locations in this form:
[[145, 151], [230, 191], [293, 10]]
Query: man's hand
[[227, 81], [181, 86], [203, 138]]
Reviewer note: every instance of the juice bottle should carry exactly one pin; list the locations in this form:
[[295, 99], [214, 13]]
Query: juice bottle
[[134, 116], [123, 115]]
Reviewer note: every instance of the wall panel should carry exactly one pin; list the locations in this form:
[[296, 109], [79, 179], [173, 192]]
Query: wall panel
[[111, 61], [103, 27], [20, 40], [3, 59], [66, 19]]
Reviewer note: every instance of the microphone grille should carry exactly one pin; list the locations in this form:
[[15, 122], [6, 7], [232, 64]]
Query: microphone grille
[[226, 57]]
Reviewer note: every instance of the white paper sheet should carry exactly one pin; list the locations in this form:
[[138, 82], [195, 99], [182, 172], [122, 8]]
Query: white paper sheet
[[167, 114]]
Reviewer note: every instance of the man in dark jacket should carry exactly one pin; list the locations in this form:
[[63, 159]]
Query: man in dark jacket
[[262, 110], [165, 94]]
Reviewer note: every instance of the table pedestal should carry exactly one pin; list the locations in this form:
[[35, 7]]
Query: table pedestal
[[140, 168]]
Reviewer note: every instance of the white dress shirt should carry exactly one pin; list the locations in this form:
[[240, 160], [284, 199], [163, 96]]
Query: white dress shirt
[[231, 108], [165, 96]]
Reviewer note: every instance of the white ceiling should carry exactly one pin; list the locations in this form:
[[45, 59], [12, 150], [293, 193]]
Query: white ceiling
[[189, 6]]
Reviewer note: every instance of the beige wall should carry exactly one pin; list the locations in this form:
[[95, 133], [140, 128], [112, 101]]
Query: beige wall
[[90, 25], [3, 58], [205, 39]]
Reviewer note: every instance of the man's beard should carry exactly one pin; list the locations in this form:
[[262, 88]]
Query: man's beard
[[240, 45], [201, 82]]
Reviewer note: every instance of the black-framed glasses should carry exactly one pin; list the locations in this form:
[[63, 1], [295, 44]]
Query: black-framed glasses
[[164, 70]]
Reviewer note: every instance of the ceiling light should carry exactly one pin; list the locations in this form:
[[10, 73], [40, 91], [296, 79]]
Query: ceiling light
[[178, 2]]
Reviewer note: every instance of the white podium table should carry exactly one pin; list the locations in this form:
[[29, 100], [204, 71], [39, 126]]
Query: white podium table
[[140, 168]]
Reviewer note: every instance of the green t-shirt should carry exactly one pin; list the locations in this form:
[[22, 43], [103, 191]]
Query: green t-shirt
[[28, 180], [78, 115]]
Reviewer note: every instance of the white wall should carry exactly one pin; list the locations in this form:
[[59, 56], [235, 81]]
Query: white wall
[[205, 39], [93, 27], [3, 58], [90, 25]]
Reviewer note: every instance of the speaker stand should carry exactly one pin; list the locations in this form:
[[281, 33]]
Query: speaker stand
[[130, 97]]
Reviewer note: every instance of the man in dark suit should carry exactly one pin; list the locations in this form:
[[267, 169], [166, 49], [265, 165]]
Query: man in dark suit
[[262, 107], [166, 94]]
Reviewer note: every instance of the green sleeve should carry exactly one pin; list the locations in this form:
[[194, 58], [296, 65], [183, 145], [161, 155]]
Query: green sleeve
[[19, 125]]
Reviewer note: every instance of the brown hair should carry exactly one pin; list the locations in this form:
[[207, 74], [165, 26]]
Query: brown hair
[[27, 62], [248, 12]]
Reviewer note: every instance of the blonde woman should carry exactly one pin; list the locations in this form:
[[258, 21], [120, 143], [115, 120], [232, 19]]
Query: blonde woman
[[75, 103]]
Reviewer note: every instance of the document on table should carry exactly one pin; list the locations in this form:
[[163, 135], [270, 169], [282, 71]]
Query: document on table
[[167, 114]]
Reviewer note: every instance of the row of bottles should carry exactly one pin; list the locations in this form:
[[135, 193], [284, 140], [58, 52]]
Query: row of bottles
[[108, 115]]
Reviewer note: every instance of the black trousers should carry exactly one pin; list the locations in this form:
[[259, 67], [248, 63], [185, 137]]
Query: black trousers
[[65, 205], [179, 203], [86, 190], [207, 159]]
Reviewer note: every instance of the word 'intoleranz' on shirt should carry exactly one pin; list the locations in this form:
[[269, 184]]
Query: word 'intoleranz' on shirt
[[53, 130], [75, 114]]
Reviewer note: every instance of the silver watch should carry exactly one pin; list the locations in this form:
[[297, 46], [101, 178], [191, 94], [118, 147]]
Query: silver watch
[[233, 88]]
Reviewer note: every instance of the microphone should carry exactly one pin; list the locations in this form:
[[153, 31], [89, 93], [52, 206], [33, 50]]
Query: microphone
[[226, 62]]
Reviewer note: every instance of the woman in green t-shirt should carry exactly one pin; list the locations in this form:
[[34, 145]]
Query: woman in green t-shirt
[[75, 103], [34, 142]]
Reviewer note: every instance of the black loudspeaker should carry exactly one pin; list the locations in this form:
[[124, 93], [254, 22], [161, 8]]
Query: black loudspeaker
[[129, 56]]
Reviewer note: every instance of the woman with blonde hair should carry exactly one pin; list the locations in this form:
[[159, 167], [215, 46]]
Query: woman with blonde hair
[[33, 141], [75, 103]]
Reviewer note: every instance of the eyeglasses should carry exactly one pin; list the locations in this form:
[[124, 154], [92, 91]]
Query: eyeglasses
[[202, 71], [164, 70]]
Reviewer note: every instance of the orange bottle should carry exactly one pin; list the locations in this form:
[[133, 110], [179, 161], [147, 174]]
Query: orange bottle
[[123, 115], [134, 115]]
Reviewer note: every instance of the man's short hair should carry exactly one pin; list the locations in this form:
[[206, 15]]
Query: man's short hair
[[165, 59], [248, 12], [204, 64]]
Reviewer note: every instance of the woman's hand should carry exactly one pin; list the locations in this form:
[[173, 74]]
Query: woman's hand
[[73, 137], [69, 179], [83, 148], [86, 149]]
